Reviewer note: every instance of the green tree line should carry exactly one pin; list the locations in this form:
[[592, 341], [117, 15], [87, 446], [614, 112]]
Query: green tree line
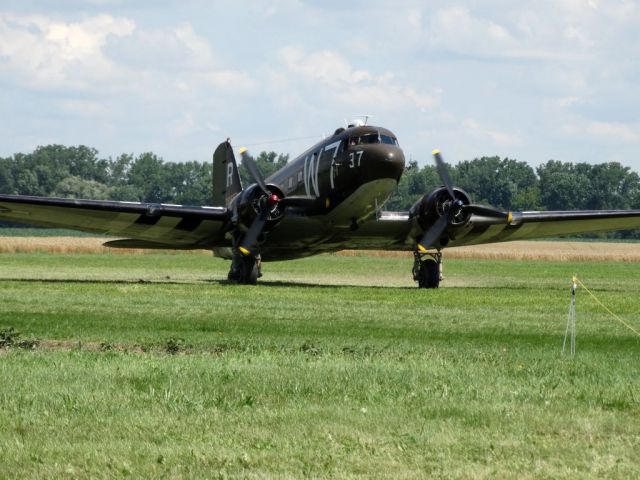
[[79, 172]]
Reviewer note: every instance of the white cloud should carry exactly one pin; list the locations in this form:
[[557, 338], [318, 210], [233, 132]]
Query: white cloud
[[105, 53], [497, 137], [329, 73], [516, 34], [50, 54], [83, 108], [175, 49], [326, 67], [617, 132]]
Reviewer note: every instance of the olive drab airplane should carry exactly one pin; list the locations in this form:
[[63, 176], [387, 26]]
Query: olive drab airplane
[[327, 199]]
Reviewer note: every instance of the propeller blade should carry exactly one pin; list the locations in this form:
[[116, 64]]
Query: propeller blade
[[434, 233], [254, 171], [486, 211], [251, 237], [443, 172]]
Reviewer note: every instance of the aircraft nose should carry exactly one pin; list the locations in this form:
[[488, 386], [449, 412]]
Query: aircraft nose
[[396, 158], [389, 163]]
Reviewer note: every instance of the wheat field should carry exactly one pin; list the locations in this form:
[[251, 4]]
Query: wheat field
[[520, 250]]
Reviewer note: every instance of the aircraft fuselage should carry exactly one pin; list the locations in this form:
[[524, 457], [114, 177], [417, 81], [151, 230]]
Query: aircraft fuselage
[[338, 167]]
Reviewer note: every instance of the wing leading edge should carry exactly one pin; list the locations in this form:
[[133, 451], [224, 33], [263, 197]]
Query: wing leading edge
[[171, 226]]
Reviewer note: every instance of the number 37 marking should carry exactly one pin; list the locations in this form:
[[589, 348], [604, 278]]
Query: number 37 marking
[[354, 159]]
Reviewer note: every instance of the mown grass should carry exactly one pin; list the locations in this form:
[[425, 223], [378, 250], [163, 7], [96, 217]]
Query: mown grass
[[332, 367]]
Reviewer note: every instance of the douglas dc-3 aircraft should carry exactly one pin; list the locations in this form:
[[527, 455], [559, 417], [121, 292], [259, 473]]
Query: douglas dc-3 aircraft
[[327, 199]]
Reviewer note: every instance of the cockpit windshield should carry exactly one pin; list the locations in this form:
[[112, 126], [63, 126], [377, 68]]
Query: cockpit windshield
[[388, 140], [372, 138]]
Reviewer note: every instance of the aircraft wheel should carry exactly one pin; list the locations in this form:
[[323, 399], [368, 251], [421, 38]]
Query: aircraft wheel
[[245, 270], [250, 270], [429, 274]]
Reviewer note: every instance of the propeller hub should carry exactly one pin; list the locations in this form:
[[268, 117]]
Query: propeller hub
[[273, 199]]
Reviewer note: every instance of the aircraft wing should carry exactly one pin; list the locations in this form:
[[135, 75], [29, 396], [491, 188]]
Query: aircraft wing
[[530, 225], [146, 225], [399, 231]]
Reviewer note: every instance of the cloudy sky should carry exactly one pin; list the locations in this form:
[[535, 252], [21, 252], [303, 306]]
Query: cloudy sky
[[529, 80]]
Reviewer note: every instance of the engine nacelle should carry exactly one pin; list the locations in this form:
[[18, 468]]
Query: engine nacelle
[[249, 202], [433, 205]]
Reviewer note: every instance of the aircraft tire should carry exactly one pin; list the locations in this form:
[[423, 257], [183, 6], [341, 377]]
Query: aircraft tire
[[249, 270], [429, 274], [244, 270]]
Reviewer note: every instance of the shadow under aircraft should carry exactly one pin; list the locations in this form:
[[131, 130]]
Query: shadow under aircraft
[[329, 198]]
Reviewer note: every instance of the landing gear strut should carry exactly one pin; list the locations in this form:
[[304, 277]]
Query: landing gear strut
[[245, 269], [427, 269]]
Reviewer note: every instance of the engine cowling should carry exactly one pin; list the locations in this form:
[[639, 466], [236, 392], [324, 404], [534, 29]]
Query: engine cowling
[[433, 205], [248, 204]]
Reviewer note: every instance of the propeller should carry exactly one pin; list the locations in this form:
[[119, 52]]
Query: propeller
[[443, 172], [268, 203], [251, 237], [453, 208], [254, 170]]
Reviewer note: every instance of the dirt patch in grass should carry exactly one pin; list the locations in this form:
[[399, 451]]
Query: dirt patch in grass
[[77, 345]]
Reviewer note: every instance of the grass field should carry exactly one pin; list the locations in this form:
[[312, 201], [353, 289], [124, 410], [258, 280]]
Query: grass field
[[335, 366]]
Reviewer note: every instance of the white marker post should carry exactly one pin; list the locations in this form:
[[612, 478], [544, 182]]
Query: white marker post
[[571, 321]]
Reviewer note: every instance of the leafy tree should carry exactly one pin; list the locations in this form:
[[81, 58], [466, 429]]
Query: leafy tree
[[190, 182], [527, 198], [6, 176], [564, 186], [27, 183], [501, 183], [52, 163], [76, 187], [612, 187], [148, 176], [118, 169]]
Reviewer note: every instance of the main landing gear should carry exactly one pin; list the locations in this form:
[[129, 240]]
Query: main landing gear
[[245, 269], [427, 269]]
